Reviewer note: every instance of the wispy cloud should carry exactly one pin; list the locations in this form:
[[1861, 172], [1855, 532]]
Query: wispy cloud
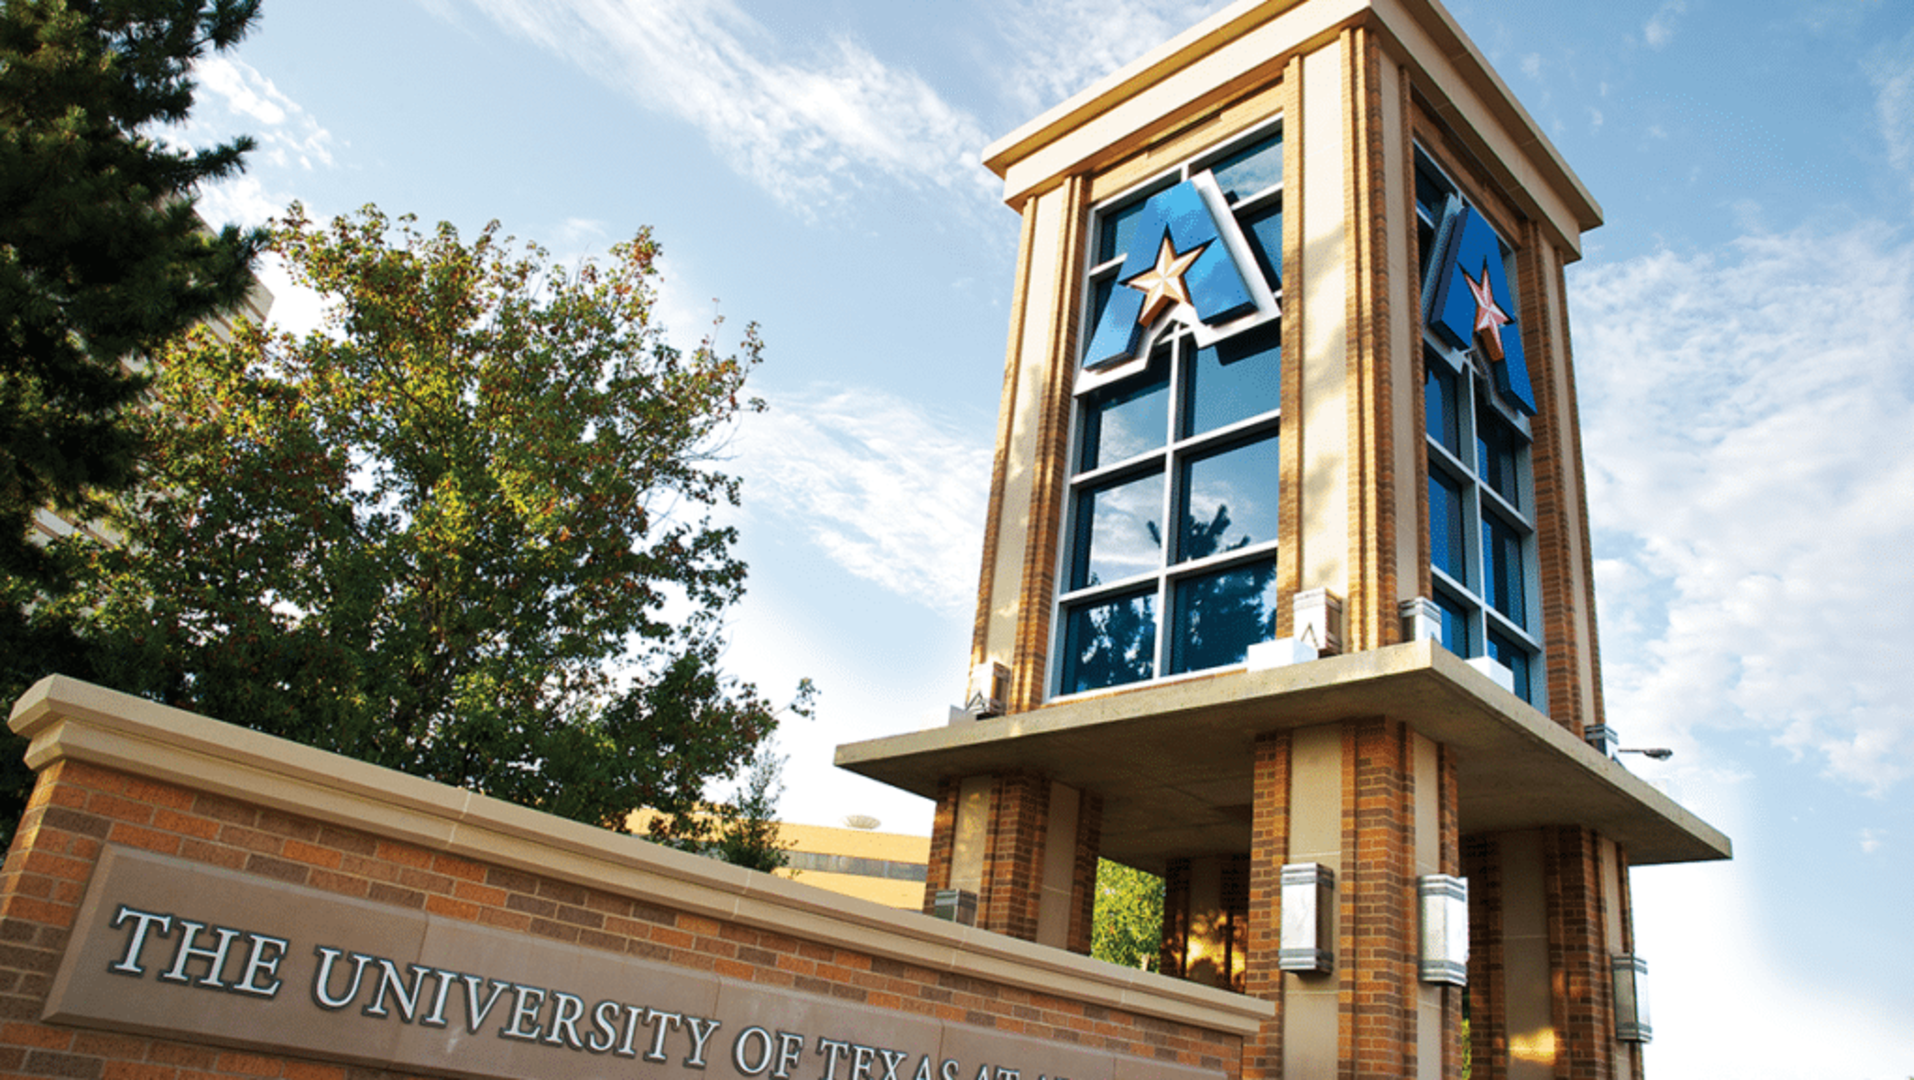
[[287, 134], [1058, 47], [1660, 28], [1749, 421], [1891, 70], [888, 491], [809, 129]]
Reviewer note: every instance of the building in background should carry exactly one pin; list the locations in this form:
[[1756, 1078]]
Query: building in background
[[888, 868], [1287, 592]]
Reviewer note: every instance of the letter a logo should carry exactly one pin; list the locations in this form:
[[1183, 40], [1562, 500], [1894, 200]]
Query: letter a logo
[[1473, 307], [1185, 261]]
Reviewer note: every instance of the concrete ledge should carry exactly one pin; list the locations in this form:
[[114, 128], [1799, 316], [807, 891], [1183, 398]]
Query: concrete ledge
[[1173, 760], [67, 719]]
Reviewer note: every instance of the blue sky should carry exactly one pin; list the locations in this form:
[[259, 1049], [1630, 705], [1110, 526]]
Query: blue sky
[[1742, 337]]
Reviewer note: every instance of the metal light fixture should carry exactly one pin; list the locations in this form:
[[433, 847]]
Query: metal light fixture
[[1658, 753], [1631, 998], [1309, 924], [1602, 737], [955, 905], [1444, 900]]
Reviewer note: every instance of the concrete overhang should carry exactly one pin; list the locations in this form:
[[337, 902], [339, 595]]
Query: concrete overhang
[[1172, 761]]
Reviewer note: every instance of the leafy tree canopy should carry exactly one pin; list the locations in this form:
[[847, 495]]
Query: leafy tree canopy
[[1127, 920], [101, 256], [464, 531]]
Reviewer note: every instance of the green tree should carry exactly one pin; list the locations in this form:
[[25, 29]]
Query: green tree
[[101, 255], [742, 832], [463, 532], [1127, 921]]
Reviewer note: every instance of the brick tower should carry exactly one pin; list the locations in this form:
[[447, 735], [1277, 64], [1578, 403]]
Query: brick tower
[[1287, 593]]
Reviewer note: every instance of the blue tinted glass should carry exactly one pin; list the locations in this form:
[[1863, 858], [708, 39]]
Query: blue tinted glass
[[1219, 616], [1118, 534], [1432, 193], [1251, 169], [1128, 418], [1115, 227], [1439, 405], [1264, 231], [1229, 500], [1446, 550], [1496, 447], [1504, 583], [1516, 659], [1235, 380], [1455, 625], [1109, 643]]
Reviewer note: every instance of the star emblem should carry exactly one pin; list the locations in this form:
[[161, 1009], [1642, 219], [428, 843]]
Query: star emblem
[[1489, 316], [1162, 285]]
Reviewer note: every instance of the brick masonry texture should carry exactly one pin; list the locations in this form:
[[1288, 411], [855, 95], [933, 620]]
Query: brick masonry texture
[[78, 808]]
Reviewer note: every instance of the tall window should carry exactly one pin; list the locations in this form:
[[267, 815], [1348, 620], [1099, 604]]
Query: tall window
[[1481, 492], [1171, 519]]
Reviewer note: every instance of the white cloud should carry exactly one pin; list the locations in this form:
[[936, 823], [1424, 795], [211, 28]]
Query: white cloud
[[1660, 29], [1872, 840], [1058, 47], [287, 134], [808, 130], [1749, 423], [1532, 65], [1891, 69], [888, 491]]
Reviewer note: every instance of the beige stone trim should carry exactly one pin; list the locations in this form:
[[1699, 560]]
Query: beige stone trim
[[1007, 413], [1248, 42], [67, 719]]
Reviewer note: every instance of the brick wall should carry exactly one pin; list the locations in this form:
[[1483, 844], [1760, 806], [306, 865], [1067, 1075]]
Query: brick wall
[[77, 808]]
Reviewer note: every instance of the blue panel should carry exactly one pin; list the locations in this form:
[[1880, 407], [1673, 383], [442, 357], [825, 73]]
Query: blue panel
[[1109, 643], [1439, 405], [1447, 550], [1496, 455], [1474, 248], [1235, 379], [1504, 583], [1219, 616], [1216, 288], [1264, 231], [1229, 500], [1517, 660], [1455, 625]]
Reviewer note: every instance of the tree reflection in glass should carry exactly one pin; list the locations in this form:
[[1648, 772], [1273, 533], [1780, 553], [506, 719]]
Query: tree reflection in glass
[[1110, 643], [1219, 615]]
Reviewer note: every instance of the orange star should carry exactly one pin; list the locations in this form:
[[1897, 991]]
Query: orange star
[[1489, 316], [1162, 285]]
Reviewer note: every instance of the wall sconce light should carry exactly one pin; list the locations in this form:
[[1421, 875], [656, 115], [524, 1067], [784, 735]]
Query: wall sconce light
[[1421, 620], [955, 905], [1444, 900], [1631, 999], [1309, 919], [1602, 737]]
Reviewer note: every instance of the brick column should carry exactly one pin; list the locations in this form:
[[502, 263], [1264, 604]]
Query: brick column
[[1488, 1017], [1269, 849], [1377, 961], [943, 843], [1089, 848], [1578, 956]]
